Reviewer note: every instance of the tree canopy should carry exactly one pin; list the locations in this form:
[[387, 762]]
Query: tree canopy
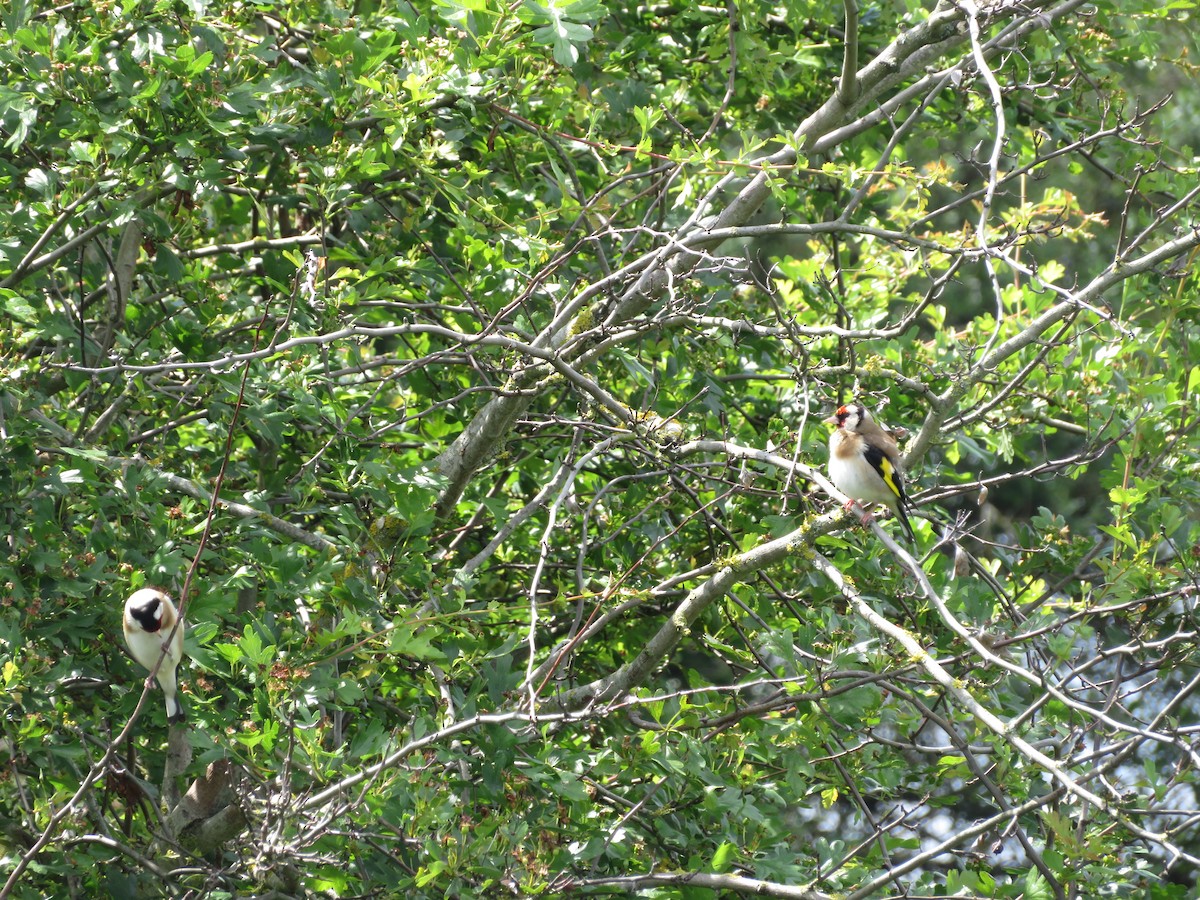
[[460, 367]]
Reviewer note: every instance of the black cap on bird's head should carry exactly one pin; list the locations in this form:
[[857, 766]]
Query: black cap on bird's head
[[146, 608]]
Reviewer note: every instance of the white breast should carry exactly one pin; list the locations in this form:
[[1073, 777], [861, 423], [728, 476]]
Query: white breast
[[856, 479]]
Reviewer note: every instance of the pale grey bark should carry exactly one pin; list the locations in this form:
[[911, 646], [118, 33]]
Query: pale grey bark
[[905, 58]]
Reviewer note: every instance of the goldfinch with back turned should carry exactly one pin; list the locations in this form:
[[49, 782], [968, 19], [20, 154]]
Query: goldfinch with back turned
[[864, 462], [149, 618]]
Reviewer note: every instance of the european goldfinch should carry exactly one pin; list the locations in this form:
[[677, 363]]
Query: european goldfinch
[[864, 462], [149, 617]]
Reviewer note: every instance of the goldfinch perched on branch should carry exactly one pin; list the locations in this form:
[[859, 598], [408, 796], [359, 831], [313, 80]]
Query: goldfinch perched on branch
[[149, 617], [864, 463]]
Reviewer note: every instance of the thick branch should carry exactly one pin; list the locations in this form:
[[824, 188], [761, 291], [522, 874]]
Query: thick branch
[[906, 56], [736, 884], [1073, 301], [848, 85], [735, 571]]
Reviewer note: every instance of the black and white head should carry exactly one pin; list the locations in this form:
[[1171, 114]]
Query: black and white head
[[145, 609], [850, 417]]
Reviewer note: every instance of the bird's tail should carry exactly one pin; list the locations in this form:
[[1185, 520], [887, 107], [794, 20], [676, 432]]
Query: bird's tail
[[175, 713]]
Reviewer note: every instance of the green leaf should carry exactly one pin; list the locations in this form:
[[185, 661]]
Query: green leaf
[[1036, 886], [724, 858], [18, 307]]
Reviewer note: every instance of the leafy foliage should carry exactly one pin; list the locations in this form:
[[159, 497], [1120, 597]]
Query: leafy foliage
[[502, 334]]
